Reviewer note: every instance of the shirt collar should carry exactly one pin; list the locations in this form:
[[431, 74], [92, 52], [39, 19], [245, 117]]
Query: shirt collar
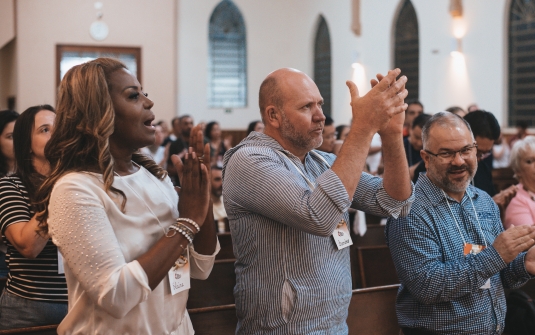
[[435, 195]]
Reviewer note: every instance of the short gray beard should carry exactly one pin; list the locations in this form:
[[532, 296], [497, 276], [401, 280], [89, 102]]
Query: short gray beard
[[445, 183], [291, 134]]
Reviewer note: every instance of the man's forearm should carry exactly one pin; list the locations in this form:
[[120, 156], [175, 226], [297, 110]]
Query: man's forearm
[[351, 159], [396, 177]]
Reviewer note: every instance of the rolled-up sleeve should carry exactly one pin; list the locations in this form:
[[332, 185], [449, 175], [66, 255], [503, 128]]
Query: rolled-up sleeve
[[371, 197], [201, 265], [80, 228]]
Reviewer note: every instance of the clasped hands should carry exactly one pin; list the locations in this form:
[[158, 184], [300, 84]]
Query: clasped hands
[[194, 176], [381, 109]]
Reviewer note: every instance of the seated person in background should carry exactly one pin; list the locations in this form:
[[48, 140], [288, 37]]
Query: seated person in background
[[521, 132], [415, 108], [413, 142], [329, 136], [451, 254], [457, 110], [155, 151], [341, 134], [220, 215], [257, 126], [521, 209]]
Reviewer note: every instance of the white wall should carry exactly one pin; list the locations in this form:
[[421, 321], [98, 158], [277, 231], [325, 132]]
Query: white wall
[[41, 25], [280, 33]]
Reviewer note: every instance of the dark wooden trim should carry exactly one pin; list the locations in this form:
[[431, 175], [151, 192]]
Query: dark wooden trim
[[28, 330], [211, 309], [223, 261]]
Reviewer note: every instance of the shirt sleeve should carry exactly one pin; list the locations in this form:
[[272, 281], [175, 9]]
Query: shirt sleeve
[[14, 207], [418, 257], [256, 180], [371, 197], [80, 227], [201, 265]]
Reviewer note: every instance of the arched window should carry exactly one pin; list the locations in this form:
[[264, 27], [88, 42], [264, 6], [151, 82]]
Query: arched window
[[227, 75], [407, 47], [322, 63], [522, 62]]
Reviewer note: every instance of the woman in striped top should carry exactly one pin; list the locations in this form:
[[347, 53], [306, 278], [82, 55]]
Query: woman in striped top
[[36, 292], [7, 166]]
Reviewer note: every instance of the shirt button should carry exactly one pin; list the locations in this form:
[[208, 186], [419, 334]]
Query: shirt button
[[498, 328]]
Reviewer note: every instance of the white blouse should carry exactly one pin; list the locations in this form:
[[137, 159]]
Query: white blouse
[[108, 288]]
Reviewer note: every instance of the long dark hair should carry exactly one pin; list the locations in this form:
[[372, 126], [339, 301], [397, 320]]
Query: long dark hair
[[22, 143], [208, 129], [6, 117], [252, 126]]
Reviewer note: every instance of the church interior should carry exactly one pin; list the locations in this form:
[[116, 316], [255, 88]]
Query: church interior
[[206, 59]]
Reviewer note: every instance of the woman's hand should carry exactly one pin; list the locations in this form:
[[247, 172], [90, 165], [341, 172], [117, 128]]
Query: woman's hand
[[195, 187]]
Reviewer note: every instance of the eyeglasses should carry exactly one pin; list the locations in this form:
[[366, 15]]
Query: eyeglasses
[[465, 153]]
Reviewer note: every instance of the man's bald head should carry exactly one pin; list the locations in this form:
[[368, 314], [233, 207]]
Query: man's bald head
[[272, 88], [442, 119]]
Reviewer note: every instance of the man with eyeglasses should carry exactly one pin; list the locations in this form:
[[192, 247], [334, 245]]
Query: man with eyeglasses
[[452, 256]]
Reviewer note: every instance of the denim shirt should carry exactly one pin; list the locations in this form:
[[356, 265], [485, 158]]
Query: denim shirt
[[440, 287]]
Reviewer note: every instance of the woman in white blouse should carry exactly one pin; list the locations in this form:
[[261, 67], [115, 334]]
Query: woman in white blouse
[[114, 214]]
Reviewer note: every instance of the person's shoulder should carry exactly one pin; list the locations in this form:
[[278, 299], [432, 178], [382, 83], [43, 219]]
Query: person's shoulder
[[85, 179]]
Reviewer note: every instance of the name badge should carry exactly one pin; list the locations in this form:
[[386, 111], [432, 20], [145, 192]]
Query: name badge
[[179, 278], [61, 268], [474, 249], [341, 236]]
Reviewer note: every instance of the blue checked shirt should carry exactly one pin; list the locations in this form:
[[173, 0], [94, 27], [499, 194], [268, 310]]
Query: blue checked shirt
[[440, 287], [290, 276]]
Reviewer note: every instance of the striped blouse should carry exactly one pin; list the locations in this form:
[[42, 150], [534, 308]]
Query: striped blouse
[[290, 276], [35, 279]]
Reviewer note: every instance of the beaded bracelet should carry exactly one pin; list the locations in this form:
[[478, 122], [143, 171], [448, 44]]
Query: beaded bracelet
[[182, 231], [190, 221]]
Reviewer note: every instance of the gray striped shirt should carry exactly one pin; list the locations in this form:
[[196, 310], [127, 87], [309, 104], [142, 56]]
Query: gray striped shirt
[[290, 276]]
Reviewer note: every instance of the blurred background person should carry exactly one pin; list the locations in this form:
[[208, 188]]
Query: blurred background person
[[457, 110], [341, 134], [472, 108], [257, 126], [413, 142], [156, 151], [521, 209], [36, 291], [7, 166], [501, 153], [521, 132], [220, 215], [414, 108], [329, 136], [218, 145]]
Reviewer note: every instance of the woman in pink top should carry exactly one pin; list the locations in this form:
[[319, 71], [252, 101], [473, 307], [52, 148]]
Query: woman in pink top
[[521, 210]]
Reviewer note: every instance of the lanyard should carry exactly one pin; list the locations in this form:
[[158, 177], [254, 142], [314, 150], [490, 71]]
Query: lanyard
[[457, 224], [310, 184]]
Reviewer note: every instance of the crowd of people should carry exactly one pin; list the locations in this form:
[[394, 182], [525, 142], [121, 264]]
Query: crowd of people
[[106, 214]]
